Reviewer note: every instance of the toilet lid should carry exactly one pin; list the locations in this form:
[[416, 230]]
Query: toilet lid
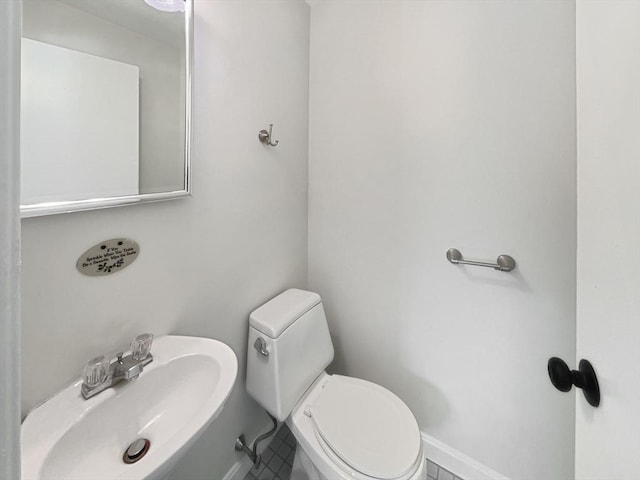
[[367, 427]]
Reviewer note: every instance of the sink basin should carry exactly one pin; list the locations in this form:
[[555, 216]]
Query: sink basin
[[175, 398]]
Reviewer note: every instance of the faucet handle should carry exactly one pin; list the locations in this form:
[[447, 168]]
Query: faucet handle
[[141, 346], [95, 371]]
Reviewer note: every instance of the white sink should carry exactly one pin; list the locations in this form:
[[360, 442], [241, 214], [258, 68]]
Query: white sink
[[175, 398]]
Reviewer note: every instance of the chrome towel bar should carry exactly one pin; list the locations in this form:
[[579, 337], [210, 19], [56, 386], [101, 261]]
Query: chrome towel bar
[[504, 263]]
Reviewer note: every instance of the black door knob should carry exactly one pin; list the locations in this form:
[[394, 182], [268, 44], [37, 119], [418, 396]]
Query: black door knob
[[585, 378]]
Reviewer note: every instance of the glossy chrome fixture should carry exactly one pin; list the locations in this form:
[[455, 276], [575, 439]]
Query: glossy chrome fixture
[[100, 374], [136, 450], [504, 263], [266, 137], [261, 346], [242, 446]]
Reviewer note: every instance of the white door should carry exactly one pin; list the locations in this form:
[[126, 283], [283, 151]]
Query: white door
[[608, 259]]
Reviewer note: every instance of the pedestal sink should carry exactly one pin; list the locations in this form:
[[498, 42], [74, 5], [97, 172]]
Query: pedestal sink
[[175, 398]]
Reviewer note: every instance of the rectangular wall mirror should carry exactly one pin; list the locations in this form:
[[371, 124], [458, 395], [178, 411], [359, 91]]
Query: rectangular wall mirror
[[105, 103]]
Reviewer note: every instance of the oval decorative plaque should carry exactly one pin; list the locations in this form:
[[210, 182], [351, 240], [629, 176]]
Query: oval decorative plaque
[[107, 257]]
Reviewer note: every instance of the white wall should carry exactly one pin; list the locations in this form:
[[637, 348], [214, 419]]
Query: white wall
[[10, 20], [450, 124], [608, 334], [205, 261]]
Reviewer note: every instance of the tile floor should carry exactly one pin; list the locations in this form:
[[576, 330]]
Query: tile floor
[[436, 472], [277, 460]]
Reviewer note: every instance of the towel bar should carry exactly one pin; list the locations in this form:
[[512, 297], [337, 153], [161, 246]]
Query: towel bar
[[504, 263]]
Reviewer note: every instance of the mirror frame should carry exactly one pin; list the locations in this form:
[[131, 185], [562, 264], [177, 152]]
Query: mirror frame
[[52, 208]]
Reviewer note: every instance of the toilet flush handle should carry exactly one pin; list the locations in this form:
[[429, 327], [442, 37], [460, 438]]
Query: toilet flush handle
[[261, 346]]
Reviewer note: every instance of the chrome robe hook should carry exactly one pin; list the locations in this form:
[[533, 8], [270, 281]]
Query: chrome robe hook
[[265, 137]]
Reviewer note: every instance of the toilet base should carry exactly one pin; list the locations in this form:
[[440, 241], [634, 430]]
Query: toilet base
[[303, 468]]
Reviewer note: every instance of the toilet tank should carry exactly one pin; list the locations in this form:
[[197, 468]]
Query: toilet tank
[[297, 349]]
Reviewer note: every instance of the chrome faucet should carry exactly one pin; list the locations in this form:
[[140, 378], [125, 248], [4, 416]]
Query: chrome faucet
[[100, 373]]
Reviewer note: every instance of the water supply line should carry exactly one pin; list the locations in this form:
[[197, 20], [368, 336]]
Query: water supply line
[[242, 446]]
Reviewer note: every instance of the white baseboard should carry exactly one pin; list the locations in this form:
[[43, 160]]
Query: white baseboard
[[239, 469], [457, 462], [440, 453]]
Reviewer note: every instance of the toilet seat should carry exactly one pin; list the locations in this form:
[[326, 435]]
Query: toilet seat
[[351, 474], [366, 430]]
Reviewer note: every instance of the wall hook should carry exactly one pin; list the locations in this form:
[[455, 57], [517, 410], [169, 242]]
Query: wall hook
[[265, 137]]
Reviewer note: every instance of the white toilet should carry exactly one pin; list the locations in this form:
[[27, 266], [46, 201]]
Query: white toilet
[[346, 428]]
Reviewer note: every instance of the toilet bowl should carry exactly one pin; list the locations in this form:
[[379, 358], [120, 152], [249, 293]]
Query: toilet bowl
[[353, 429], [346, 428]]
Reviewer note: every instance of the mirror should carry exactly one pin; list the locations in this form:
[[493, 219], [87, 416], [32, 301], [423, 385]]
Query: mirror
[[105, 103]]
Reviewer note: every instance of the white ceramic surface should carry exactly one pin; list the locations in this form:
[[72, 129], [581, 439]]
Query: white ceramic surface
[[175, 398], [317, 460]]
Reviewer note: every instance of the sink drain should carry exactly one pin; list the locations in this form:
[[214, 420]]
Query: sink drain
[[136, 450]]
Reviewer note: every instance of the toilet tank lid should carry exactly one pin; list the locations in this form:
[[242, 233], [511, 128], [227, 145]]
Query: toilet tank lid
[[277, 314]]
